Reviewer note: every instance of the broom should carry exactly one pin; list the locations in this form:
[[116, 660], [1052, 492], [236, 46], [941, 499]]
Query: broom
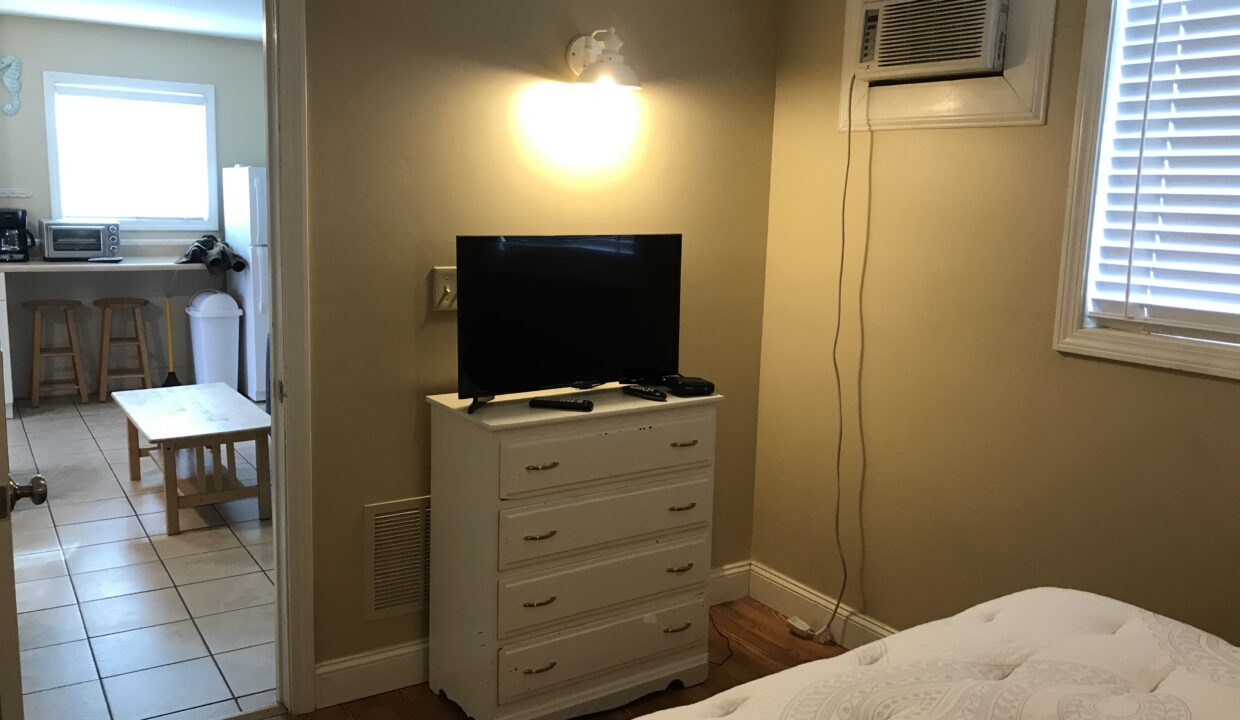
[[171, 380]]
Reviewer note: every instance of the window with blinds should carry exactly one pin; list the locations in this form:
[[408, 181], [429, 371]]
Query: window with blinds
[[1164, 253]]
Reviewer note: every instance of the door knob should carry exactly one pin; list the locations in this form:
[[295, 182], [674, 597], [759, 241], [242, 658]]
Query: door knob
[[36, 490]]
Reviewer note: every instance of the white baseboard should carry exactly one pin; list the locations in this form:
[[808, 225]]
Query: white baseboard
[[371, 673], [789, 597], [728, 583]]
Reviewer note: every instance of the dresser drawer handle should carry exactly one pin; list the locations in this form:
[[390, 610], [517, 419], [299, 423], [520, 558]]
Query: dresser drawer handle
[[678, 628], [545, 536], [540, 603], [539, 671], [682, 569], [682, 508], [691, 443], [540, 468]]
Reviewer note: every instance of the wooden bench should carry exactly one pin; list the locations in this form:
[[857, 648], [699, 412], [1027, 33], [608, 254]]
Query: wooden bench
[[183, 425]]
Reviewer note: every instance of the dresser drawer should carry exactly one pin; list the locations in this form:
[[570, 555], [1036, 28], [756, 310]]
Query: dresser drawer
[[538, 664], [537, 599], [535, 531], [651, 443]]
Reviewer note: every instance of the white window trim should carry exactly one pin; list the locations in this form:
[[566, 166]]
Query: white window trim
[[1018, 97], [212, 222], [1073, 334]]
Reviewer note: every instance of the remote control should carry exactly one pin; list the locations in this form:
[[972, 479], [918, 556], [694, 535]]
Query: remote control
[[645, 391], [565, 403], [111, 259]]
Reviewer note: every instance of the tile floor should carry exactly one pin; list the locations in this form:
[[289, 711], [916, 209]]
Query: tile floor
[[116, 620]]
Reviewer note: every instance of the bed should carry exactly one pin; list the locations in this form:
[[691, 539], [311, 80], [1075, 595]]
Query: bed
[[1043, 654]]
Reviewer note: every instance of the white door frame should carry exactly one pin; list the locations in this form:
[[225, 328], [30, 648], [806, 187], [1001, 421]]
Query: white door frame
[[290, 311]]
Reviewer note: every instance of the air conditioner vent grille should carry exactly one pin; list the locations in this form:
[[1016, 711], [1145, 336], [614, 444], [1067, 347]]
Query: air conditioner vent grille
[[928, 31], [398, 557]]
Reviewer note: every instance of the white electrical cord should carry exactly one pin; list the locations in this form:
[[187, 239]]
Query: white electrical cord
[[826, 633]]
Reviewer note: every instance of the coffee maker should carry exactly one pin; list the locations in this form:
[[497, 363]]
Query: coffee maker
[[15, 239]]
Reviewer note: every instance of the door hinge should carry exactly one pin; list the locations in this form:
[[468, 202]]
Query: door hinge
[[280, 391]]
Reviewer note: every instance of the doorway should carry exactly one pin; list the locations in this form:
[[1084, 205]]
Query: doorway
[[115, 616]]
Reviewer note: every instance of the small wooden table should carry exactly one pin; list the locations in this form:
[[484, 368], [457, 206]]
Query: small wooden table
[[193, 419]]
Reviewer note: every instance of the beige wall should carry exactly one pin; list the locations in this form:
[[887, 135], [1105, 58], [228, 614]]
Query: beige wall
[[995, 463], [234, 67], [411, 144]]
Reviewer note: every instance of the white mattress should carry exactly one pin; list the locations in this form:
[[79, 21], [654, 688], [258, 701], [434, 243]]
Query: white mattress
[[1044, 654]]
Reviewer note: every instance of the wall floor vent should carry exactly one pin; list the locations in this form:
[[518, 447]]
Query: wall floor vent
[[398, 568]]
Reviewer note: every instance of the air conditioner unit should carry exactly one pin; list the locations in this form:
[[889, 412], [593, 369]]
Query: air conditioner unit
[[925, 39]]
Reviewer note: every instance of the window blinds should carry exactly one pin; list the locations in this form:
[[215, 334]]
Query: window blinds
[[1165, 231]]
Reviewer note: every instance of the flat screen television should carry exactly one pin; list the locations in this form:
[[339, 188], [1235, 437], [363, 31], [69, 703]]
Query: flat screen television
[[543, 312]]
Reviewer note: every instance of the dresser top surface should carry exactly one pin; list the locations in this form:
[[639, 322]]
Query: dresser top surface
[[513, 411]]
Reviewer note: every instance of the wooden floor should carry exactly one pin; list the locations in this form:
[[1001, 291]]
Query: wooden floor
[[761, 645]]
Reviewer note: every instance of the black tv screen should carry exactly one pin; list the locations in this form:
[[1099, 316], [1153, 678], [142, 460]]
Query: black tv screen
[[543, 312]]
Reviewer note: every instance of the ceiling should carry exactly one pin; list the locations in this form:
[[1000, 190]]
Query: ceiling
[[227, 18]]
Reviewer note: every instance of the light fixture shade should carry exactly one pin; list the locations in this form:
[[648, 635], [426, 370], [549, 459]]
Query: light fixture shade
[[613, 73], [596, 58]]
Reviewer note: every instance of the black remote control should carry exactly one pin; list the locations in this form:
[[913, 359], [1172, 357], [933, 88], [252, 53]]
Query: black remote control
[[565, 403], [645, 391]]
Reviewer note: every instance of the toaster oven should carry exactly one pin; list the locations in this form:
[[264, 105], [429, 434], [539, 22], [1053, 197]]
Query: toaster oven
[[80, 240]]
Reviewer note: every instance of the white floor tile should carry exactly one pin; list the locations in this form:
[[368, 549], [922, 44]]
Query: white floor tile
[[52, 627], [69, 514], [80, 702], [211, 566], [35, 518], [53, 431], [56, 666], [258, 701], [21, 458], [253, 532], [166, 689], [194, 542], [264, 554], [39, 566], [130, 612], [250, 670], [82, 491], [147, 648], [151, 479], [234, 593], [118, 581], [239, 628], [110, 555], [239, 511], [147, 503], [44, 594], [39, 540], [215, 711], [44, 446], [100, 532], [191, 519]]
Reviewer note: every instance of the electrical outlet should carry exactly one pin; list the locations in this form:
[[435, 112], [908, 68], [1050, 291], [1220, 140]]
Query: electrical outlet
[[443, 288]]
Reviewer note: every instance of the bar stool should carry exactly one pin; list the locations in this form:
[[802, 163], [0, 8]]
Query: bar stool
[[40, 351], [138, 339]]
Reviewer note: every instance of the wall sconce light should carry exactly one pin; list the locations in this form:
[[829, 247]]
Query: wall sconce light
[[596, 58]]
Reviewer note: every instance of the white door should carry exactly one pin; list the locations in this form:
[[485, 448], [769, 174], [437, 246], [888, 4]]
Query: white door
[[10, 662]]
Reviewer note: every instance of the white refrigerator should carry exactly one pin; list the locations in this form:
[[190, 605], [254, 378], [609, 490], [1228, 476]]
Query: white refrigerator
[[246, 230]]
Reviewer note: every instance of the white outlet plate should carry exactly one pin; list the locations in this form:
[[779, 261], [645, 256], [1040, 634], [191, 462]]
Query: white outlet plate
[[443, 288]]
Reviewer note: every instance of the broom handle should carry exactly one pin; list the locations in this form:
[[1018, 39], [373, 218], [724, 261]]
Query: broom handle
[[168, 324]]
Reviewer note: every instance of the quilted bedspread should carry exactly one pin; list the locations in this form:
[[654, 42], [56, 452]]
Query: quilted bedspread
[[1043, 654]]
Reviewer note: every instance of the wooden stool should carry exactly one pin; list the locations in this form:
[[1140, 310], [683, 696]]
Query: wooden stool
[[40, 351], [106, 373]]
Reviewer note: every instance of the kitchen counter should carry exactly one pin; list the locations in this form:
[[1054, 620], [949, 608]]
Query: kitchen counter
[[136, 263]]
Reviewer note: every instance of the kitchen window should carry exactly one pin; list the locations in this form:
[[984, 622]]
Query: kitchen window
[[140, 151], [1151, 268]]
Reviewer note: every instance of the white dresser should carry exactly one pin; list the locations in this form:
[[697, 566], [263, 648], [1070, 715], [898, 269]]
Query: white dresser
[[569, 552]]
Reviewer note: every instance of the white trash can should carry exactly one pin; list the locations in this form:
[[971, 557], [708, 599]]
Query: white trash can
[[215, 332]]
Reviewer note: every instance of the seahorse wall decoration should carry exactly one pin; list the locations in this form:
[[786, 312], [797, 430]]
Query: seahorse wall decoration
[[12, 77]]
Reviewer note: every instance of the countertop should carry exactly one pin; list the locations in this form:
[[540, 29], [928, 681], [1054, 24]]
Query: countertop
[[137, 263]]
